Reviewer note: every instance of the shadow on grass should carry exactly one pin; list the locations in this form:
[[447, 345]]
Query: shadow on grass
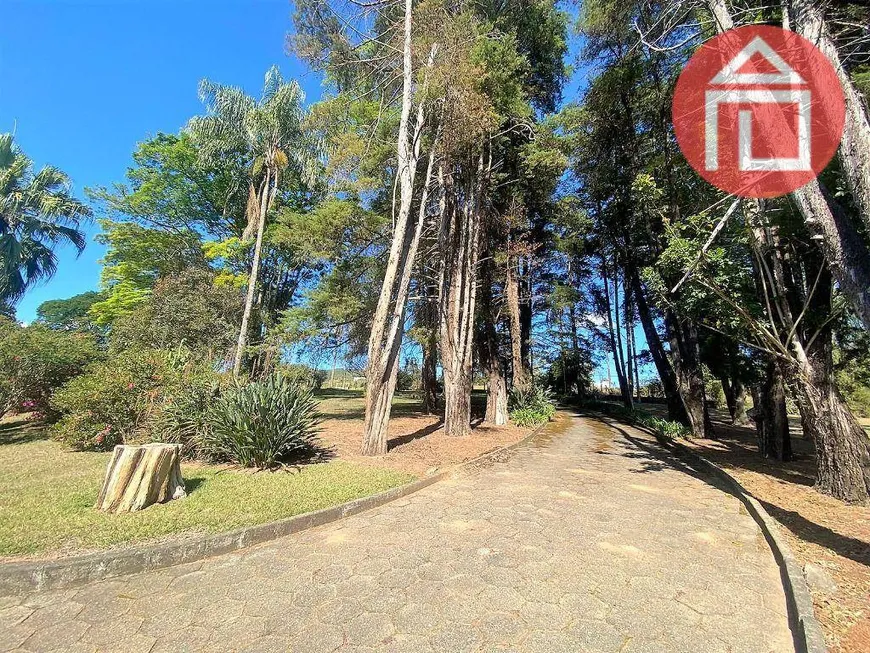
[[22, 432], [193, 483], [339, 393]]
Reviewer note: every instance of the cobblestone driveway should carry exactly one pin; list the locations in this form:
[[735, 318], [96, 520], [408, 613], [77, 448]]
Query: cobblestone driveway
[[583, 543]]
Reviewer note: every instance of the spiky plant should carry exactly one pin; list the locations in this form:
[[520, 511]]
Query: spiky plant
[[263, 424]]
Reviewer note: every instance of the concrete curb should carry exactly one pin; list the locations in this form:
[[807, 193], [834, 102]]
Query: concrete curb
[[806, 630], [39, 575]]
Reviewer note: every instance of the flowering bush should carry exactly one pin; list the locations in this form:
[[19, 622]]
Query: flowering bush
[[36, 360], [121, 399]]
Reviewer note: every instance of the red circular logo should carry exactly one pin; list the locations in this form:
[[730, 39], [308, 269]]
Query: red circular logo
[[758, 111]]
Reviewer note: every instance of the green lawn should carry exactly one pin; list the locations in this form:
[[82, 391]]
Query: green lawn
[[336, 403], [47, 495]]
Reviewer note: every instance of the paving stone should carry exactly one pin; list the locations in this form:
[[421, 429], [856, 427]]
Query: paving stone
[[58, 635], [585, 545], [107, 632]]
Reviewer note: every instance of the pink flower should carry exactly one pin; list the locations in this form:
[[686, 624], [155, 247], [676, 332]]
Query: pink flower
[[130, 386]]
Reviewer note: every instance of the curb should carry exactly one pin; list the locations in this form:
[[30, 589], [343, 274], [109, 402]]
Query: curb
[[806, 630], [39, 575]]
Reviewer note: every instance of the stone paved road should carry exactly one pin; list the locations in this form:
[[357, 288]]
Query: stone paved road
[[582, 543]]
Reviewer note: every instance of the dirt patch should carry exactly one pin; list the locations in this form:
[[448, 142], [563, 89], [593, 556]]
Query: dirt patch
[[417, 444], [819, 529]]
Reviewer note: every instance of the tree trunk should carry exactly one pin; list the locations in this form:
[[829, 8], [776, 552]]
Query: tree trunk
[[264, 201], [774, 440], [730, 399], [676, 409], [459, 239], [615, 346], [490, 359], [739, 417], [389, 318], [687, 366], [139, 476], [512, 295], [630, 358], [854, 153], [429, 375], [842, 446]]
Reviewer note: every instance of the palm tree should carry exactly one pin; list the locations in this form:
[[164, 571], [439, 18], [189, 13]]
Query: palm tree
[[270, 138], [37, 214]]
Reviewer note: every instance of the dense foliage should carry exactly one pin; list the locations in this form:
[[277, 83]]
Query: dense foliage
[[123, 398], [36, 361], [262, 424], [531, 406]]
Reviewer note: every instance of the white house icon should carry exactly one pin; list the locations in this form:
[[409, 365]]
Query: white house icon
[[721, 91]]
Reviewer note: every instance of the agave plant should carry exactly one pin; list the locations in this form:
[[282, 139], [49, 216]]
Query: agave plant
[[263, 424]]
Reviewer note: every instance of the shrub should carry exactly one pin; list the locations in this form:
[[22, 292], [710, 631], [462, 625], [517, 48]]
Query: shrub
[[408, 380], [303, 375], [531, 407], [658, 425], [120, 400], [662, 427], [36, 361], [263, 424], [526, 417], [184, 419]]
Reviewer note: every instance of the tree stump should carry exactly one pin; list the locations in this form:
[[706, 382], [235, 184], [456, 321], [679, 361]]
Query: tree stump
[[141, 475]]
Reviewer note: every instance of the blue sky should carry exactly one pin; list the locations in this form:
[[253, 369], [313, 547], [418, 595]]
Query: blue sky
[[81, 82]]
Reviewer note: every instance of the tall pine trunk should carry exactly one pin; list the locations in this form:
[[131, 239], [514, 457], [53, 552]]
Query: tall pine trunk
[[686, 357], [490, 358], [459, 240], [389, 318], [521, 374], [676, 409], [774, 439], [429, 369], [615, 338]]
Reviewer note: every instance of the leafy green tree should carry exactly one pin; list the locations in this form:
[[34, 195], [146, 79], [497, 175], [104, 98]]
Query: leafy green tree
[[155, 222], [37, 214], [71, 314], [186, 309]]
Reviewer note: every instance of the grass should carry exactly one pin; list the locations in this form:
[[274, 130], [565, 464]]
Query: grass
[[47, 496], [336, 403]]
